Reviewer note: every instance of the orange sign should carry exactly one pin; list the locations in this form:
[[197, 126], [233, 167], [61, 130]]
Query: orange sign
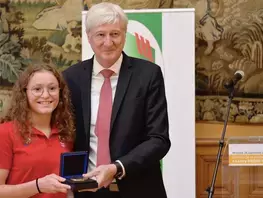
[[245, 154]]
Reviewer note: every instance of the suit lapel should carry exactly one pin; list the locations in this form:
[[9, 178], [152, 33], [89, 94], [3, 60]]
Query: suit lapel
[[123, 82], [85, 79]]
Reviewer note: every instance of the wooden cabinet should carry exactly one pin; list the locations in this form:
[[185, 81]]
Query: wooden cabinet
[[249, 180]]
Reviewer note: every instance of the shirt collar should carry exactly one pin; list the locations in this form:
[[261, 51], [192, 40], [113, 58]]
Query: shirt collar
[[97, 68], [35, 131]]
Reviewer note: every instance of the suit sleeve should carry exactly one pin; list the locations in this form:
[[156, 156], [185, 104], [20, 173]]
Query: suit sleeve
[[6, 148], [158, 143]]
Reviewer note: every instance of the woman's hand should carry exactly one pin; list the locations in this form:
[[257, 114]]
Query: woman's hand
[[52, 184]]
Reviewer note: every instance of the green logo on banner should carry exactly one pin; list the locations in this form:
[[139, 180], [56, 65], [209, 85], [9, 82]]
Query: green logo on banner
[[139, 47], [144, 37]]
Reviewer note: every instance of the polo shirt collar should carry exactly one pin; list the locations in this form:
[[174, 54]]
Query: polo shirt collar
[[35, 131]]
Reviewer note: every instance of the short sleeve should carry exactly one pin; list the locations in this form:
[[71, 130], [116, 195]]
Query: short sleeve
[[6, 146]]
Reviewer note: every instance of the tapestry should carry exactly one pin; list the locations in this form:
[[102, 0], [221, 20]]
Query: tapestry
[[34, 31], [229, 36]]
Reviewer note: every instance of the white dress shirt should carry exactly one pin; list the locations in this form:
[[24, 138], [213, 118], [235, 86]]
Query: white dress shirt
[[96, 84]]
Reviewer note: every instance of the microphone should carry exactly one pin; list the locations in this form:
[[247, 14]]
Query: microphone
[[233, 81]]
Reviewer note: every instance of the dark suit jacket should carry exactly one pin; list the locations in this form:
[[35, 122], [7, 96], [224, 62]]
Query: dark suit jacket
[[139, 124]]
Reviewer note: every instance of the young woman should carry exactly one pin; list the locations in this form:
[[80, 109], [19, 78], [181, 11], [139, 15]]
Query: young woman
[[37, 129]]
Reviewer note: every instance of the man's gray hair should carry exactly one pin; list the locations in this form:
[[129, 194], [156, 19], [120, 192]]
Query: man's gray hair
[[105, 13]]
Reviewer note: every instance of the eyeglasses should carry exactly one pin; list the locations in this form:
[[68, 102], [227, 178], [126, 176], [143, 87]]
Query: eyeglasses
[[38, 90]]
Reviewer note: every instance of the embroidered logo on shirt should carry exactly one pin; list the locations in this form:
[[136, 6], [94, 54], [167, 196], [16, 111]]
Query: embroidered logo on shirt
[[63, 144]]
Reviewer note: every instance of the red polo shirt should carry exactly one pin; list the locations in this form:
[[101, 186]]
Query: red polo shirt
[[27, 162]]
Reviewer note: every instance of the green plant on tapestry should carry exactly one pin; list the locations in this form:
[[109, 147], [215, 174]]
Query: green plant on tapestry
[[11, 36], [61, 61], [10, 60], [9, 67], [46, 53], [36, 44], [58, 37], [19, 32]]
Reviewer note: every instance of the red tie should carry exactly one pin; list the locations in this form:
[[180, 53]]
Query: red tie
[[102, 128]]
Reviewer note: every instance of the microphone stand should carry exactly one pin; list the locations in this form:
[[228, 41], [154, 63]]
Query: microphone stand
[[211, 188]]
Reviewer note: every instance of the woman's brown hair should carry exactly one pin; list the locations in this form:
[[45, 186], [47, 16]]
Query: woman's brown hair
[[62, 116]]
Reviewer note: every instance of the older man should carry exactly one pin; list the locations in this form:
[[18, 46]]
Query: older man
[[121, 111]]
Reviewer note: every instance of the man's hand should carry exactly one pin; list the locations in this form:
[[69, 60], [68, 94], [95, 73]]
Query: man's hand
[[104, 175]]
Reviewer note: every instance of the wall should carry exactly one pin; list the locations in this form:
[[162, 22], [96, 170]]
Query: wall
[[214, 130]]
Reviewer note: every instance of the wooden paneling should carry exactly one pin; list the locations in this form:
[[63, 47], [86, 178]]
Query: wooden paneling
[[206, 152], [232, 182]]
